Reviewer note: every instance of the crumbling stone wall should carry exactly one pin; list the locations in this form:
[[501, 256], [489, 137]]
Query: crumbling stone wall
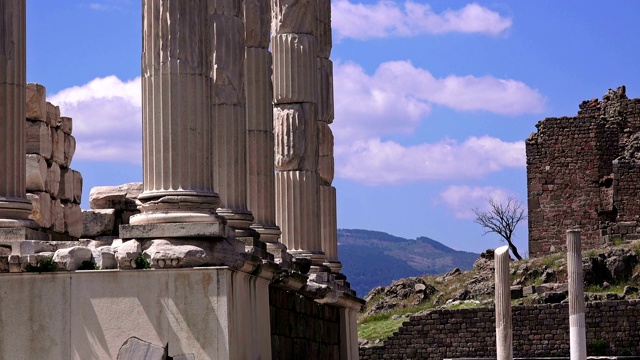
[[299, 325], [539, 330], [582, 173], [55, 190]]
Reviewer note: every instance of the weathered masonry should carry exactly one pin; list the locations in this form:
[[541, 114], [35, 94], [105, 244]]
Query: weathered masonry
[[227, 249], [584, 172]]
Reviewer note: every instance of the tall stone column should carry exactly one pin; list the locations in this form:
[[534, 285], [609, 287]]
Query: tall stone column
[[15, 208], [259, 121], [328, 214], [504, 329], [577, 327], [226, 34], [176, 111], [294, 44]]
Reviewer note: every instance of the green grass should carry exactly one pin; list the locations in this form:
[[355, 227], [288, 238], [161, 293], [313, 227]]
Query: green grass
[[380, 326], [379, 329]]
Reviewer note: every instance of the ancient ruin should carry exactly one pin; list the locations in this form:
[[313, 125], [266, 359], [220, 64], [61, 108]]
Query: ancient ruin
[[582, 172], [504, 327], [214, 254]]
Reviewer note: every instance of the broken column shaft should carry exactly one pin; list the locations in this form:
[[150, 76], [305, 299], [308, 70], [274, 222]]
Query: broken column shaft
[[15, 208], [577, 327], [504, 329]]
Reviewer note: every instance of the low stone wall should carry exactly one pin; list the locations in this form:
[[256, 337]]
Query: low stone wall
[[300, 326], [539, 331]]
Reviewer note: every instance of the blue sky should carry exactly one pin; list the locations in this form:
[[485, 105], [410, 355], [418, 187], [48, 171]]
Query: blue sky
[[433, 99]]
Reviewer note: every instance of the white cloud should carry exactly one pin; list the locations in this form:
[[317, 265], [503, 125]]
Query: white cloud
[[377, 162], [399, 95], [462, 199], [387, 18], [107, 118]]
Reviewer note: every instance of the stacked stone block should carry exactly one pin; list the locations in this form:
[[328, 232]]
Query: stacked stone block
[[295, 113], [582, 173], [300, 325], [111, 206], [538, 331], [53, 187]]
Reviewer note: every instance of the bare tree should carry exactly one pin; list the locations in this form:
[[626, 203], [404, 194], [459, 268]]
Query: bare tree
[[502, 219]]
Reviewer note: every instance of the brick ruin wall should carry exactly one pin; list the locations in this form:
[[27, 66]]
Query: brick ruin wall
[[300, 325], [539, 331], [582, 172]]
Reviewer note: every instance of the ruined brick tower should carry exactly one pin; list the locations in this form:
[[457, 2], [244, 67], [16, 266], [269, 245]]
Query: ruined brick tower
[[584, 172]]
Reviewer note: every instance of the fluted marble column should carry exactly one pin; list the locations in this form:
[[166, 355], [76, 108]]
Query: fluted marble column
[[227, 37], [504, 329], [324, 96], [577, 327], [14, 206], [177, 132], [294, 43], [259, 119]]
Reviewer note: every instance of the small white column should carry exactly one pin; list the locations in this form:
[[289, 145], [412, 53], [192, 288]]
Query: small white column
[[504, 329], [15, 208], [577, 328]]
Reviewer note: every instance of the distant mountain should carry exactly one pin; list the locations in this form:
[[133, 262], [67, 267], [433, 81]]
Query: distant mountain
[[374, 258]]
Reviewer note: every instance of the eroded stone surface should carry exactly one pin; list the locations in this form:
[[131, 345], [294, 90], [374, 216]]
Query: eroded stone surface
[[296, 138], [98, 222], [71, 258], [38, 139], [36, 97], [121, 197], [293, 16], [36, 172], [136, 349]]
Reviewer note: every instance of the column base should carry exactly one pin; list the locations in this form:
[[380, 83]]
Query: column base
[[15, 213], [317, 257], [20, 233], [335, 266], [177, 209], [268, 234]]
